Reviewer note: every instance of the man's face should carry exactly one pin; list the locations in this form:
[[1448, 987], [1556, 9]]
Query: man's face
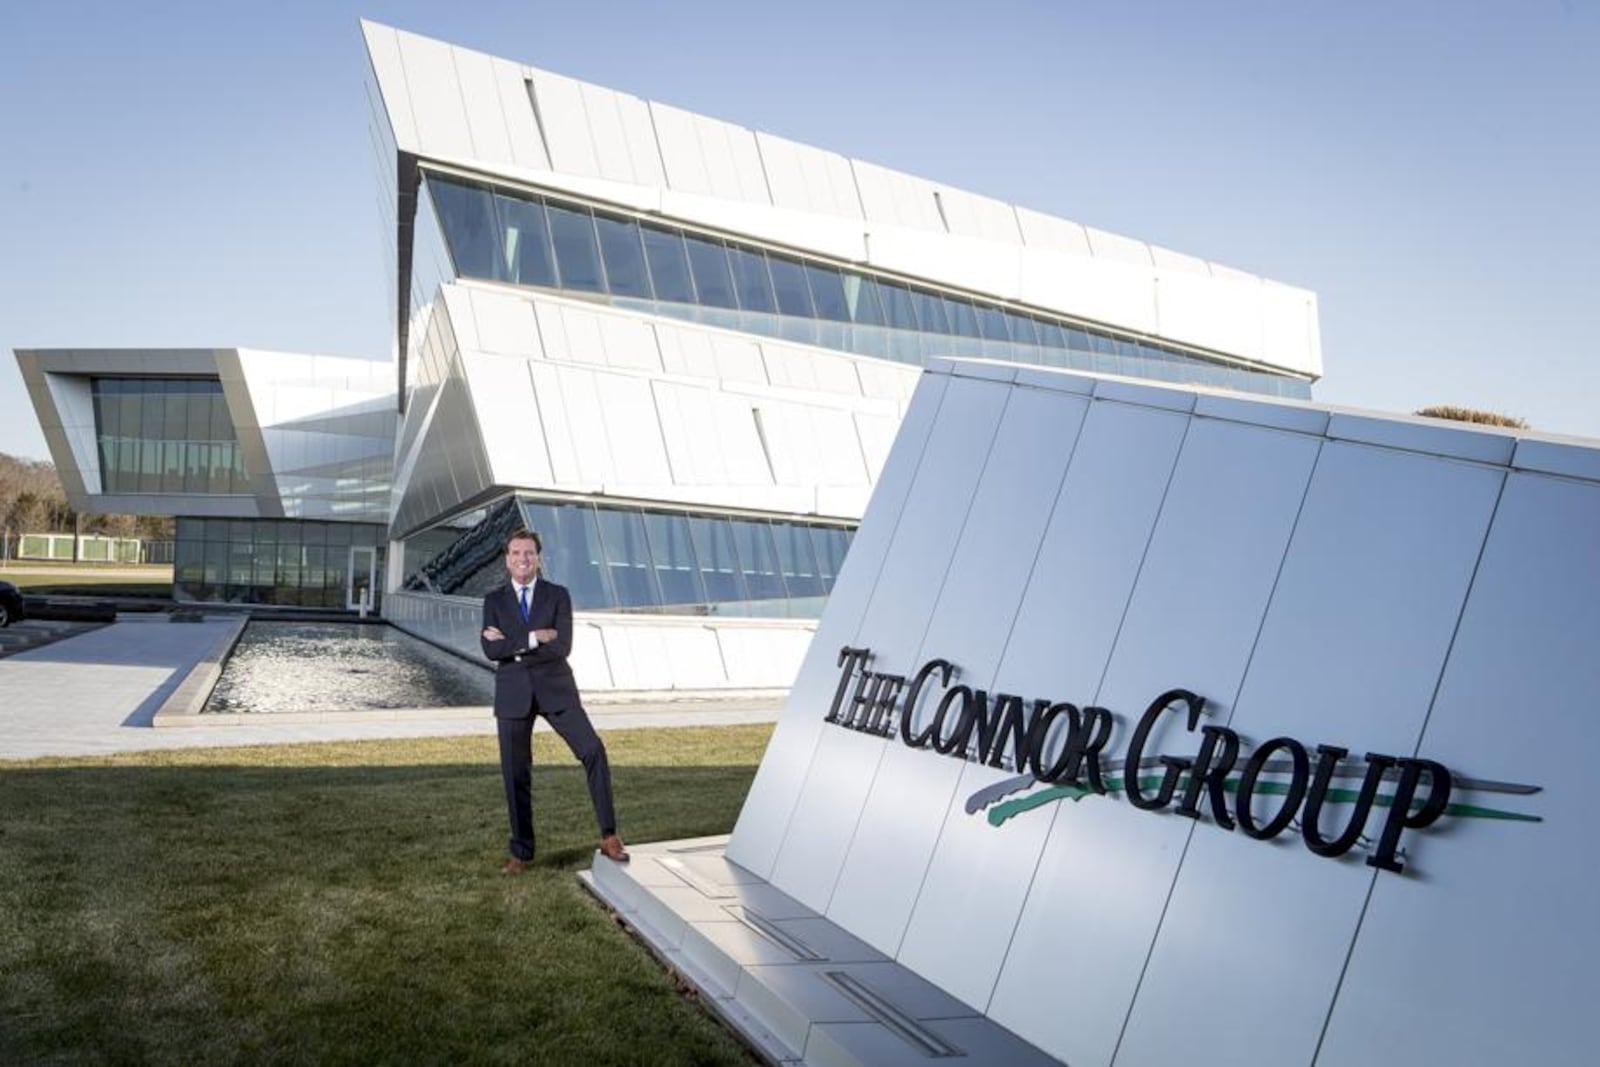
[[522, 560]]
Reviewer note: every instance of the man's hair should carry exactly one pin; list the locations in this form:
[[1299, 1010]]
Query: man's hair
[[525, 534]]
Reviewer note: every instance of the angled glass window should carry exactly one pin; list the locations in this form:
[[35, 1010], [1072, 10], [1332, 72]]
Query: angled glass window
[[672, 554], [627, 555], [1050, 334], [758, 558], [526, 240], [624, 257], [930, 312], [1020, 327], [572, 552], [708, 262], [861, 294], [829, 544], [751, 281], [669, 265], [992, 323], [718, 559], [897, 309], [789, 285], [827, 293], [961, 317], [1078, 340], [577, 255], [466, 215], [796, 560]]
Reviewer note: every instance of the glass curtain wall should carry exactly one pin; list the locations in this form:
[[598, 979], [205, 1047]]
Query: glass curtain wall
[[620, 558], [166, 435], [522, 238], [281, 562]]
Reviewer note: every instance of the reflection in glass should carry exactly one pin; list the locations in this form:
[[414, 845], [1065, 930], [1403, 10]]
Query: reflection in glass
[[627, 556], [708, 262], [789, 284], [624, 257], [672, 553], [758, 558], [577, 256], [466, 215], [718, 559], [669, 265], [526, 241]]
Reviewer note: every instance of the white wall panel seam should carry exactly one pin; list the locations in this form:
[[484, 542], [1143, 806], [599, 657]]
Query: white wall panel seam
[[1233, 703], [766, 179], [1416, 750], [861, 201], [1000, 654], [966, 517]]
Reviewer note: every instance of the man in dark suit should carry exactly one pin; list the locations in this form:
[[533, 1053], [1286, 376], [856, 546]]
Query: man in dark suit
[[527, 632]]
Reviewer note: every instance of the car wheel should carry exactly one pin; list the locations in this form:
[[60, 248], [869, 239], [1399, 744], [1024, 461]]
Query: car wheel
[[5, 616]]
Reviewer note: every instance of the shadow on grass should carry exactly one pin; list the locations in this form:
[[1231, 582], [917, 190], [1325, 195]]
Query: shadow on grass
[[335, 914]]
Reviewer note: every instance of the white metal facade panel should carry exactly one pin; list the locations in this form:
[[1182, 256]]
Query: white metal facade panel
[[480, 96], [612, 157], [557, 419], [969, 215], [580, 394], [982, 584], [383, 49], [1218, 313], [681, 154], [1121, 249], [629, 343], [1479, 961], [633, 430], [436, 105], [765, 817], [1390, 539], [559, 112], [1106, 870], [1290, 334], [514, 437], [804, 178], [890, 198], [984, 266], [639, 135], [1109, 292], [1048, 232], [504, 323]]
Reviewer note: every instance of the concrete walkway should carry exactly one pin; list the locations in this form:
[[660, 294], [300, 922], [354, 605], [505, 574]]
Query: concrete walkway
[[98, 693]]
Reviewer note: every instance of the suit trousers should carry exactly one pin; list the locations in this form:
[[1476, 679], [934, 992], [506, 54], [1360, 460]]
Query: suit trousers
[[516, 770]]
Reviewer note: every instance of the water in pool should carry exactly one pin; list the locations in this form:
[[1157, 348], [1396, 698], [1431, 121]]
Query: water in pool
[[331, 666]]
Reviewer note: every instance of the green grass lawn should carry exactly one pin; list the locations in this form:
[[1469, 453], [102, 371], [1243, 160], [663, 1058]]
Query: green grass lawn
[[343, 903]]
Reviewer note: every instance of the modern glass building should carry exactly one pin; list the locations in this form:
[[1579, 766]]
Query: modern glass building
[[679, 348]]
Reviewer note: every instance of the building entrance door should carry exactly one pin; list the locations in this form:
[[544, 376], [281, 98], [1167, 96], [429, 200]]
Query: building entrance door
[[361, 583]]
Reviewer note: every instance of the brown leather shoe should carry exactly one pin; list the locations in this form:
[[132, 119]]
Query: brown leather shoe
[[515, 866], [611, 848]]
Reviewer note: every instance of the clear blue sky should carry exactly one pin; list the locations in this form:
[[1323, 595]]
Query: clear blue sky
[[198, 173]]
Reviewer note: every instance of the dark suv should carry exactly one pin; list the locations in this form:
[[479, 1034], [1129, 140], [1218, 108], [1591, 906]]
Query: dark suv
[[10, 604]]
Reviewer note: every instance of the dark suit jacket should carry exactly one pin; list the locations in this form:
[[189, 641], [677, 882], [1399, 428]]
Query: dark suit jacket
[[522, 678]]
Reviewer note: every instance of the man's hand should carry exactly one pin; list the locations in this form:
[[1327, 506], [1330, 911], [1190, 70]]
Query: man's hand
[[492, 633], [544, 636]]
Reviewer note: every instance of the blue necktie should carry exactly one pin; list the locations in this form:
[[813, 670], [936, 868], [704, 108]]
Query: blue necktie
[[524, 604]]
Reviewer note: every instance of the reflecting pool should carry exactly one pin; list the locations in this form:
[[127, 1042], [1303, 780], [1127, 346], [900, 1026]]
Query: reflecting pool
[[331, 666]]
